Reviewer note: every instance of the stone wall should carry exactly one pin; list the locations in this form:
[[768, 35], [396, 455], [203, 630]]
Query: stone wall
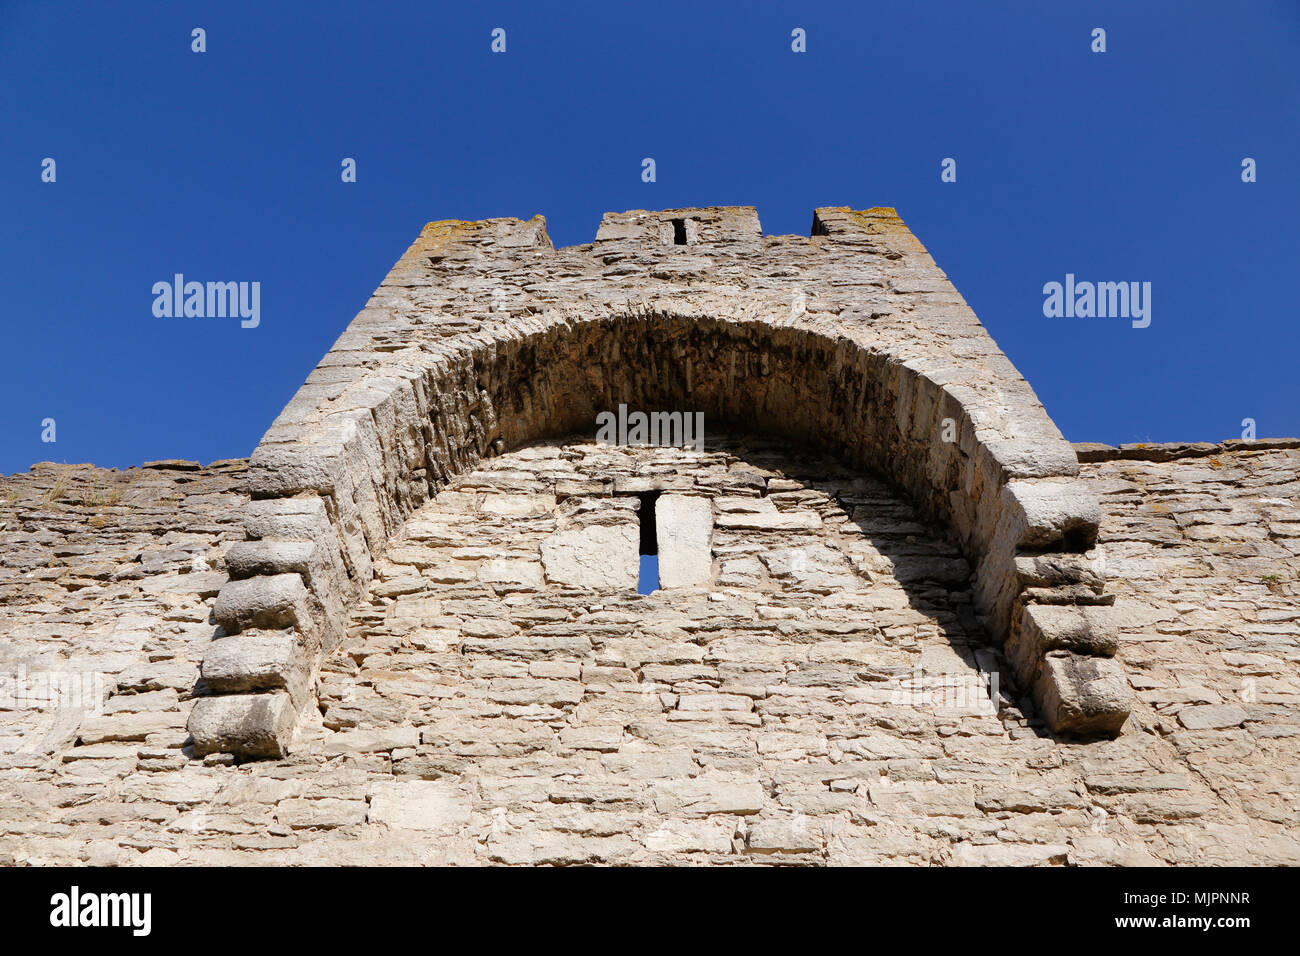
[[476, 714], [406, 630], [483, 338]]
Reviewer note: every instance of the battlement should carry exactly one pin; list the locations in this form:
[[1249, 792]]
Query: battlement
[[736, 230]]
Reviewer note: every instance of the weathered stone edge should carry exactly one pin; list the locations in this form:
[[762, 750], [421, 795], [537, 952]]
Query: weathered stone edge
[[1170, 451]]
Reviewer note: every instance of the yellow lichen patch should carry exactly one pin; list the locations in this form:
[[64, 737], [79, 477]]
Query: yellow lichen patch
[[443, 231], [885, 221]]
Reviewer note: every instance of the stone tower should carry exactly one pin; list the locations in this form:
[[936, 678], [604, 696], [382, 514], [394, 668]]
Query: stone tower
[[484, 340]]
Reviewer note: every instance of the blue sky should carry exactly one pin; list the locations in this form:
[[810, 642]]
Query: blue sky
[[1122, 166]]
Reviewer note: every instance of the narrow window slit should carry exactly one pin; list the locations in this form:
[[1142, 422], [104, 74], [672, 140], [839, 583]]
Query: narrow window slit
[[649, 577], [679, 232]]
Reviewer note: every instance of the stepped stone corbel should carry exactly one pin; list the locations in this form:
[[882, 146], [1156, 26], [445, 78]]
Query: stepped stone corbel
[[282, 610], [1060, 635]]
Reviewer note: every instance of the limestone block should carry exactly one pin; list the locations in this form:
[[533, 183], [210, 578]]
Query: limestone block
[[707, 795], [639, 484], [371, 741], [519, 572], [1058, 570], [246, 725], [1212, 717], [798, 835], [1083, 695], [324, 814], [248, 662], [1005, 459], [294, 519], [691, 836], [282, 470], [584, 488], [247, 559], [1047, 512], [770, 520], [271, 602], [600, 557], [1040, 628], [819, 568], [1067, 594], [126, 726], [924, 797], [342, 546], [528, 847], [419, 805], [518, 506], [1018, 854], [684, 533], [286, 518]]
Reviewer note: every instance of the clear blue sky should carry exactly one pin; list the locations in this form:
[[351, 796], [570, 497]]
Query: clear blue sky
[[225, 166]]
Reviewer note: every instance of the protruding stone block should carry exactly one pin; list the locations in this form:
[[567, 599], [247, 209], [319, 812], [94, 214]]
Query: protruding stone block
[[1058, 570], [246, 725], [1023, 458], [1040, 628], [1050, 512], [308, 519], [1083, 695], [280, 471], [247, 662], [273, 602], [247, 559]]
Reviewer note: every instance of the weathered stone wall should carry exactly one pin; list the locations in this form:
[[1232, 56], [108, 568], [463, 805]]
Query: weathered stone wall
[[1202, 549], [483, 338], [416, 602], [475, 713]]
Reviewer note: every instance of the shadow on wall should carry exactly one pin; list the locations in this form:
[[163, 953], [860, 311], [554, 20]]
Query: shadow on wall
[[885, 540]]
